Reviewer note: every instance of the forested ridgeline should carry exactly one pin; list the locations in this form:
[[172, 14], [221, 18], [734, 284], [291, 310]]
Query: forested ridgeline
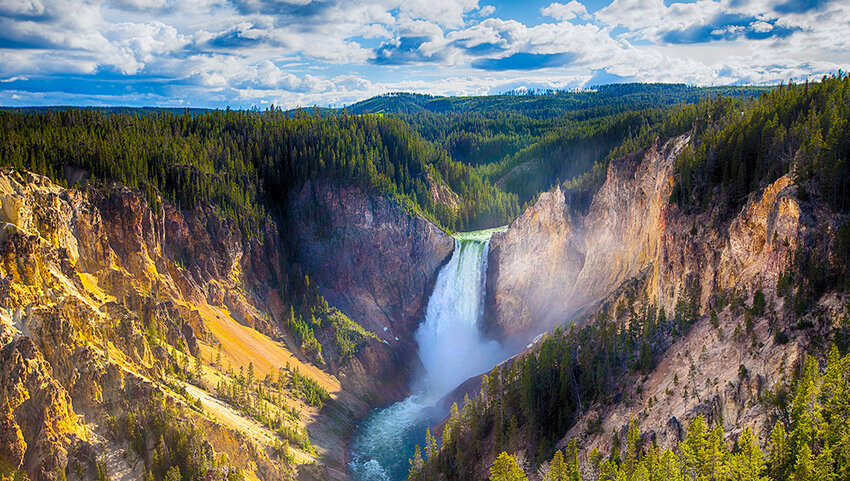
[[527, 142], [743, 139], [536, 103], [739, 145], [525, 156], [494, 152], [738, 149], [245, 162]]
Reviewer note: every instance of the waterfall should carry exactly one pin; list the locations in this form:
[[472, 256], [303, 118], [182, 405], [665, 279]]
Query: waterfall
[[451, 349], [450, 344]]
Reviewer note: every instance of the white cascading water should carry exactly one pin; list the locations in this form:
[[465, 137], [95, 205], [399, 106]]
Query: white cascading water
[[451, 349], [450, 344]]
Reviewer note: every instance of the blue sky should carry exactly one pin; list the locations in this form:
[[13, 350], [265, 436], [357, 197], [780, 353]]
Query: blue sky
[[245, 53]]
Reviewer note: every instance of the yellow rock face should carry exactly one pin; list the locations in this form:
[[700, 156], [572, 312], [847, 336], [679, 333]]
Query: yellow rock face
[[81, 276], [109, 299]]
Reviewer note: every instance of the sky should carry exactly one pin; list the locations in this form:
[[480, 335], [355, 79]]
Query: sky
[[254, 53]]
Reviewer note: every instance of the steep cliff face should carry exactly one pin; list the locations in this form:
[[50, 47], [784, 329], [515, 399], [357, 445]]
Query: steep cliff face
[[38, 424], [103, 300], [724, 369], [95, 288], [372, 260], [552, 262], [635, 249], [753, 248]]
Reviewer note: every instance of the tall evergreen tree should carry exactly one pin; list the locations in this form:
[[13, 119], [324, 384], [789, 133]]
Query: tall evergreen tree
[[506, 469]]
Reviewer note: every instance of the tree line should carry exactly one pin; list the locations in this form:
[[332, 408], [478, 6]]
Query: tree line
[[739, 148], [245, 163]]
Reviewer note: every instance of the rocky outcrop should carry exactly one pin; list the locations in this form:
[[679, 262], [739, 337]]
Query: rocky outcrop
[[37, 423], [752, 249], [88, 280], [721, 373], [552, 262], [372, 260]]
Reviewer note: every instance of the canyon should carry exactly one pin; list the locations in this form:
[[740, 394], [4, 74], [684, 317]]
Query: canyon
[[105, 296]]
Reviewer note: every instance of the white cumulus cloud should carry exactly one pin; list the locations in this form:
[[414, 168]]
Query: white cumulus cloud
[[564, 11]]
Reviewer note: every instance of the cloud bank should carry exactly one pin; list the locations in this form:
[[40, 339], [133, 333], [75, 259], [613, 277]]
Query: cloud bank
[[244, 53]]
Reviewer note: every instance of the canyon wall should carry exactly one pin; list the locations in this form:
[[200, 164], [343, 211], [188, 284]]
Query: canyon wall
[[552, 262], [94, 286], [373, 260], [98, 290], [735, 355], [633, 248]]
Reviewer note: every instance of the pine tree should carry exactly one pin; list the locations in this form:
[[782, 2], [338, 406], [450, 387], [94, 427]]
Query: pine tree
[[779, 456], [748, 463], [173, 474], [824, 469], [199, 369], [717, 454], [416, 463], [632, 449], [804, 467], [615, 456], [610, 471], [804, 410], [451, 424], [557, 468], [430, 444], [694, 450], [649, 467], [506, 469], [670, 468], [571, 461]]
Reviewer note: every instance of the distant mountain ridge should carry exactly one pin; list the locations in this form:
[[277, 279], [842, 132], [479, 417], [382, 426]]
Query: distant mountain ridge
[[109, 109], [551, 103], [534, 103]]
